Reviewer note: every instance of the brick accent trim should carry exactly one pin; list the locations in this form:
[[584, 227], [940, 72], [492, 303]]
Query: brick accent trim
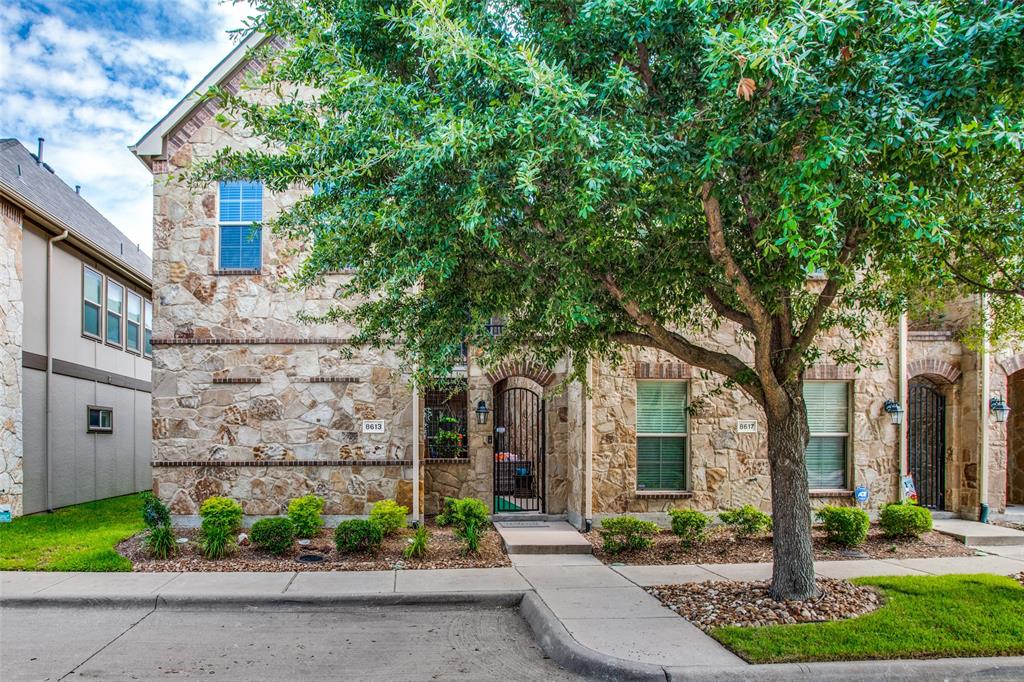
[[161, 166], [446, 460], [328, 380], [822, 371], [521, 368], [1013, 364], [282, 463], [10, 211], [228, 272], [249, 341], [930, 335], [838, 494], [663, 494], [662, 370], [934, 367], [238, 380]]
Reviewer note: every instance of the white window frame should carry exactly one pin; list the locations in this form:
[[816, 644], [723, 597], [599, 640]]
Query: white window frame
[[131, 295], [230, 223], [846, 435], [89, 428], [101, 313], [147, 326], [108, 312], [685, 435]]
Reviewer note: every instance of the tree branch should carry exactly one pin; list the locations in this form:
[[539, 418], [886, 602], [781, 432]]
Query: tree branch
[[723, 309]]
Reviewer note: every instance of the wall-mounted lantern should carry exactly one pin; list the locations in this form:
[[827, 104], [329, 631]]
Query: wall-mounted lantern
[[481, 412], [895, 411], [999, 408]]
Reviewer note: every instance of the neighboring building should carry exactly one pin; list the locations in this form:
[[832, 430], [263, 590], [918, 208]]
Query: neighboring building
[[74, 345], [252, 404]]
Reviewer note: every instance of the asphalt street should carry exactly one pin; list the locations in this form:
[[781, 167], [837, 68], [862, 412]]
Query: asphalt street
[[422, 642]]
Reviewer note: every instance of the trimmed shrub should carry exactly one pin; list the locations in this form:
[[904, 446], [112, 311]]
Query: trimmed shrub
[[847, 526], [216, 541], [358, 535], [160, 542], [222, 512], [622, 533], [305, 515], [468, 510], [389, 515], [747, 521], [689, 525], [417, 547], [904, 520], [447, 512], [154, 512], [276, 535]]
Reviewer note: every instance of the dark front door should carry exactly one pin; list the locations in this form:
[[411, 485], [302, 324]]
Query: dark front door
[[926, 443], [518, 450]]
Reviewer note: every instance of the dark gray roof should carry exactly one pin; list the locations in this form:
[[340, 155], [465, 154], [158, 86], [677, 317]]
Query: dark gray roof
[[41, 186]]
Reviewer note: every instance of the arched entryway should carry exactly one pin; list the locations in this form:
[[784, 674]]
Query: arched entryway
[[519, 445], [926, 440], [1015, 439]]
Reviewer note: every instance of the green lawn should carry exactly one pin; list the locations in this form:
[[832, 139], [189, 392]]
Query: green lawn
[[78, 538], [923, 617]]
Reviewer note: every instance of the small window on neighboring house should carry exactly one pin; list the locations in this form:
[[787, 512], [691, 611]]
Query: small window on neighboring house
[[661, 423], [241, 236], [101, 419], [828, 416], [147, 330], [133, 323], [92, 303], [115, 311]]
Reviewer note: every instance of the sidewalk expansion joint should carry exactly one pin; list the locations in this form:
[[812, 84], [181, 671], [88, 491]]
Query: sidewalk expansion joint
[[119, 636]]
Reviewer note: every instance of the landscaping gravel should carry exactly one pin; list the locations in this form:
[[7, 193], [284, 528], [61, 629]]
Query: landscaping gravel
[[723, 547], [444, 551], [747, 604]]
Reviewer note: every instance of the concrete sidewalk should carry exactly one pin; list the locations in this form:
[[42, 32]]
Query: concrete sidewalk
[[592, 618]]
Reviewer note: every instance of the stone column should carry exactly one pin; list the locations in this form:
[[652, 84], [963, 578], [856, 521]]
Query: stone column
[[11, 318]]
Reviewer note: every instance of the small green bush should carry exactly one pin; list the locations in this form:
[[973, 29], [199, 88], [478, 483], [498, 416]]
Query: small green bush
[[904, 520], [417, 547], [305, 515], [847, 526], [688, 525], [160, 542], [622, 533], [358, 535], [154, 512], [468, 510], [747, 521], [447, 512], [221, 512], [216, 541], [470, 533], [389, 515], [276, 535]]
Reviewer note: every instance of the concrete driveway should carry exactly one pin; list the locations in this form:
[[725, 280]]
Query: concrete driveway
[[411, 642]]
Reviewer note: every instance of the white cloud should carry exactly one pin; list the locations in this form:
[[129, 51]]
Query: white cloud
[[91, 91]]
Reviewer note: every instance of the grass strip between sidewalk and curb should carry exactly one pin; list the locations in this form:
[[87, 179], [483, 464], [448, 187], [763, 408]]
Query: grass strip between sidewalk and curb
[[923, 617], [77, 538]]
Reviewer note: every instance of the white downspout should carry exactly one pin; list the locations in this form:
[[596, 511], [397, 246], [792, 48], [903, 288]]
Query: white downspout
[[902, 390], [984, 362], [588, 448], [416, 453], [49, 367]]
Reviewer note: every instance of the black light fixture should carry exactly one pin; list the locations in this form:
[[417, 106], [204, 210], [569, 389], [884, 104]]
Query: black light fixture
[[999, 408], [895, 411], [481, 412]]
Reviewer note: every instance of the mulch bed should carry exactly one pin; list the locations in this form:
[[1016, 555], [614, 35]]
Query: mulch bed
[[444, 550], [717, 604], [723, 547], [1008, 524]]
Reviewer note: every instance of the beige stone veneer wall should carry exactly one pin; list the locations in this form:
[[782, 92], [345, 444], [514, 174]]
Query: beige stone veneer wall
[[11, 318], [1015, 440]]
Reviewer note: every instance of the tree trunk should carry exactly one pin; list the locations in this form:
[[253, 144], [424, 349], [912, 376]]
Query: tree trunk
[[793, 554]]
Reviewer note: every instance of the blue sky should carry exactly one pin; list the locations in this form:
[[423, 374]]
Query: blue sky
[[92, 77]]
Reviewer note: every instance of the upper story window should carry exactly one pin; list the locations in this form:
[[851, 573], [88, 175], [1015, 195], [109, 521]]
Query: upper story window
[[828, 416], [241, 237], [92, 303], [115, 311], [147, 333], [661, 429], [133, 323]]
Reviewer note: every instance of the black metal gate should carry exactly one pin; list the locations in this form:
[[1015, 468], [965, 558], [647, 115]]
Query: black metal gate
[[926, 444], [518, 450]]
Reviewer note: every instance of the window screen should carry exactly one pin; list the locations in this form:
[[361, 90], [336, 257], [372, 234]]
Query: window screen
[[241, 236], [661, 424], [828, 416]]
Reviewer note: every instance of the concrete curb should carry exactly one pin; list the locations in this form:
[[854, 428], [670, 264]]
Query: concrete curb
[[557, 643], [998, 668]]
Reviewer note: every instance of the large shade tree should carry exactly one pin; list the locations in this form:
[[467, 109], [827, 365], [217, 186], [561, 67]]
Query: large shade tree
[[612, 173]]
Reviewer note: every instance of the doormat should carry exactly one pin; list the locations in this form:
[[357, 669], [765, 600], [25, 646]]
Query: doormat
[[503, 505], [523, 524]]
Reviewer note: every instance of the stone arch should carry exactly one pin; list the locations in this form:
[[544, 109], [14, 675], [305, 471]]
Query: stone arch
[[946, 372], [1013, 364], [521, 368]]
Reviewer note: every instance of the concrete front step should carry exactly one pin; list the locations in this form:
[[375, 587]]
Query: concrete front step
[[974, 534], [532, 536]]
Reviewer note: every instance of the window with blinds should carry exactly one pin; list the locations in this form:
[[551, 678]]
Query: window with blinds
[[241, 236], [661, 424], [828, 416]]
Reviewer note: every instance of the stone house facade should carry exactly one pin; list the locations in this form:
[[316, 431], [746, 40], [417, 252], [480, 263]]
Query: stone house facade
[[250, 403]]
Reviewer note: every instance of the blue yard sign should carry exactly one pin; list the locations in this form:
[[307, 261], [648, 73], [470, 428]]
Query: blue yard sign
[[861, 494]]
